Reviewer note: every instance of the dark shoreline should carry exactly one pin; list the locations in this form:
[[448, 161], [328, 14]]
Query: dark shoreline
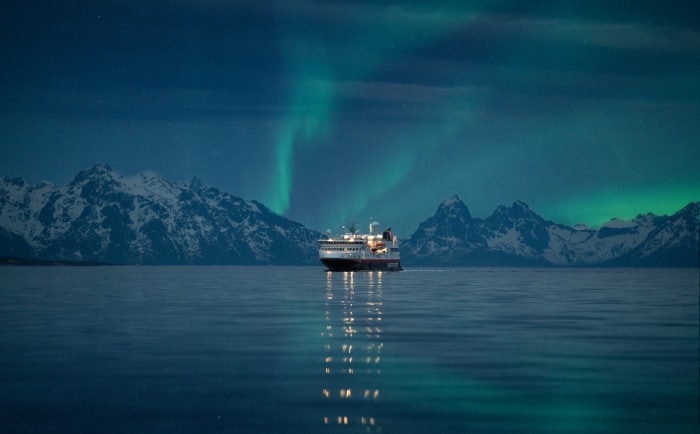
[[13, 260]]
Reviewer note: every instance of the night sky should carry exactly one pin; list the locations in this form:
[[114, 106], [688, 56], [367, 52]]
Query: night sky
[[336, 111]]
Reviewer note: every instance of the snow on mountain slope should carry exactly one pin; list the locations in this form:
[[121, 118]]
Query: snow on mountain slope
[[101, 216], [146, 219], [517, 236]]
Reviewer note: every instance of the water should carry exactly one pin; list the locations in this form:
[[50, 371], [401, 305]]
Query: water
[[300, 350]]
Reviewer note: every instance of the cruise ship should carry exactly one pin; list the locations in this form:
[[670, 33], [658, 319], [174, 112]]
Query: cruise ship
[[352, 251]]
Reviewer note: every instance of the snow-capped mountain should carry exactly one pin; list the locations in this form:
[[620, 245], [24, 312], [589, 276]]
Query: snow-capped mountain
[[101, 216], [518, 236]]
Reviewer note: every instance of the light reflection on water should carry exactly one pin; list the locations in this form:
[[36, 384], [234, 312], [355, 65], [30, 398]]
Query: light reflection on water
[[353, 350], [297, 349]]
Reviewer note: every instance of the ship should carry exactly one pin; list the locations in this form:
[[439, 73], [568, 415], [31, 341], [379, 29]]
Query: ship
[[353, 251]]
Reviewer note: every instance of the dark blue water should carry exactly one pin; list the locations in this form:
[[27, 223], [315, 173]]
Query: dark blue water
[[300, 350]]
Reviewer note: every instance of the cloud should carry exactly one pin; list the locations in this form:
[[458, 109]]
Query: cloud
[[634, 36]]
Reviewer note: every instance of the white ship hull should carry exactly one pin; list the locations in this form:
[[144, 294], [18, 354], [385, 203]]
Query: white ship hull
[[337, 264], [353, 252]]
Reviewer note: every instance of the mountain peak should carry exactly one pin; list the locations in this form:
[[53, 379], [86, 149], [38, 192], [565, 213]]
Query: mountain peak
[[693, 208], [100, 168], [450, 200], [516, 236], [519, 204], [197, 184], [518, 211], [521, 210], [96, 171], [617, 223], [453, 207], [145, 218]]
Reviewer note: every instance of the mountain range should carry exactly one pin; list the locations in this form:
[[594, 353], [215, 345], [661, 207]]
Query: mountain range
[[517, 236], [146, 219], [106, 218]]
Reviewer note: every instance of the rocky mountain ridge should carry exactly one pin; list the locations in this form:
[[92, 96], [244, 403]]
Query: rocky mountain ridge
[[147, 219], [517, 236], [105, 218]]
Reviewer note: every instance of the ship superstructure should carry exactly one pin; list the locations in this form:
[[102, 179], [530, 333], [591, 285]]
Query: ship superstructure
[[354, 251]]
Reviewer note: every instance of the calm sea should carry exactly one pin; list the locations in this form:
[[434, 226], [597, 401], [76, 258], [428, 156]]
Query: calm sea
[[302, 350]]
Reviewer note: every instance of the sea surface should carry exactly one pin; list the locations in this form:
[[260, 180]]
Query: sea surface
[[302, 350]]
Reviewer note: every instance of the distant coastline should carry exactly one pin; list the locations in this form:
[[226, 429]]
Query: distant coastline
[[14, 260]]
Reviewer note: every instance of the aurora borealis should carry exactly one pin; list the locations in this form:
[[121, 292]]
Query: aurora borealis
[[334, 111]]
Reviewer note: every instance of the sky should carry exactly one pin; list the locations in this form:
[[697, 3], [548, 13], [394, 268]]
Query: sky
[[330, 112]]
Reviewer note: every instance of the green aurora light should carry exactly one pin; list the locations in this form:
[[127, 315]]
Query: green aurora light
[[323, 71], [313, 82], [596, 209], [309, 120]]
